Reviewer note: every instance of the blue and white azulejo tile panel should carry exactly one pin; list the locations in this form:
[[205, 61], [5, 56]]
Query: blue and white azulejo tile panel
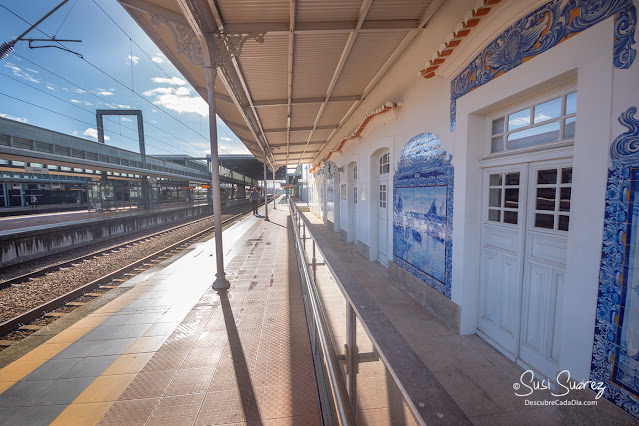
[[615, 358], [541, 30], [423, 212]]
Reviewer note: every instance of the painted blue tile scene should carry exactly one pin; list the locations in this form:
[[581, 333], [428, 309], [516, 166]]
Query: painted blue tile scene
[[615, 358], [423, 212]]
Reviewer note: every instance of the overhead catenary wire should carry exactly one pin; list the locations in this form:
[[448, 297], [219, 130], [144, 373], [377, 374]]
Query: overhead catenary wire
[[125, 86], [73, 118], [84, 109]]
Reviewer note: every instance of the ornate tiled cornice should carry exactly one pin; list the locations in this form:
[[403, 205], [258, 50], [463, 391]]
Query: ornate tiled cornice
[[541, 30], [454, 39], [388, 106]]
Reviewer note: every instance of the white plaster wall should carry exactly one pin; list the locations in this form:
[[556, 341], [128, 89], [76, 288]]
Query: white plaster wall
[[603, 93]]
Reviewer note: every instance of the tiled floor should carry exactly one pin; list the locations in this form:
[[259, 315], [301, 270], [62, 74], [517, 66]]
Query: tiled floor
[[173, 351]]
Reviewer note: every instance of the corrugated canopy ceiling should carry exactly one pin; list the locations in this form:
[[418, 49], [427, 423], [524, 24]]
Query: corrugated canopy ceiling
[[318, 61]]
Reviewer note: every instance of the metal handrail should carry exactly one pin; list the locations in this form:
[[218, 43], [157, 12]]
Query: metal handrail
[[341, 402]]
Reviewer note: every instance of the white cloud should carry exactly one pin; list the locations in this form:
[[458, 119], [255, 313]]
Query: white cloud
[[133, 59], [157, 59], [124, 106], [126, 119], [177, 99], [18, 72], [31, 70], [75, 101], [174, 80], [78, 91], [224, 138], [93, 133], [105, 93], [11, 117], [50, 87]]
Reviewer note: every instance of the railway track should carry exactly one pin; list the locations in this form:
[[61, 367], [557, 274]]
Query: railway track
[[17, 325]]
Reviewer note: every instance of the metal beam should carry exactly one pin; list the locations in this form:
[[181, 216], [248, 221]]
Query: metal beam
[[283, 28], [289, 76], [299, 129], [428, 13], [302, 101]]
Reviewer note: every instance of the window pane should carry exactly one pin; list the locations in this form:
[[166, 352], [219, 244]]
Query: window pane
[[545, 199], [547, 177], [494, 197], [385, 168], [566, 175], [512, 178], [495, 180], [498, 126], [493, 215], [535, 136], [563, 223], [510, 217], [511, 198], [571, 103], [497, 144], [569, 128], [547, 110], [544, 221], [564, 202], [519, 119]]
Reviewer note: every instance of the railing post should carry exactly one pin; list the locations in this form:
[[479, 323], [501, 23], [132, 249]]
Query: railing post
[[351, 354], [304, 235], [314, 264]]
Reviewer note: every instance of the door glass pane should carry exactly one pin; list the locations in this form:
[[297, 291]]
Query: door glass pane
[[564, 221], [497, 144], [495, 180], [545, 199], [493, 215], [512, 179], [566, 175], [547, 176], [511, 198], [519, 119], [544, 221], [571, 103], [564, 202], [510, 217], [569, 128], [547, 110], [494, 197], [535, 136], [498, 126]]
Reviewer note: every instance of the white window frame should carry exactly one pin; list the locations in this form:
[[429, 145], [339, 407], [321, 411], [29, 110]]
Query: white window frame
[[529, 103], [384, 160]]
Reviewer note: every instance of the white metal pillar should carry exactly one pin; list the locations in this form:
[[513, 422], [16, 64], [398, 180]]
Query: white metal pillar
[[274, 208], [265, 187], [220, 283]]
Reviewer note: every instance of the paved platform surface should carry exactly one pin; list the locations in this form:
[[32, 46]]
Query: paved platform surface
[[172, 351], [476, 375]]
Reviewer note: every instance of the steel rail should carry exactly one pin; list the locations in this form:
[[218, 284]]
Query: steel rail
[[341, 403], [38, 311], [70, 263]]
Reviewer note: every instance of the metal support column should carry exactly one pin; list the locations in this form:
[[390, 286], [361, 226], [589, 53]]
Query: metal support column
[[265, 194], [274, 208], [22, 197], [220, 283]]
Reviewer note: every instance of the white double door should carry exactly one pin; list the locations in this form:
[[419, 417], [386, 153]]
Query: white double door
[[526, 215]]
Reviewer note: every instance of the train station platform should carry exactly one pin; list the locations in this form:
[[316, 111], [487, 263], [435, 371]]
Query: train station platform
[[164, 348], [170, 350]]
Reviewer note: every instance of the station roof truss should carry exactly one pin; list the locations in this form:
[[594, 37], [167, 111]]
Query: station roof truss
[[31, 144], [307, 68]]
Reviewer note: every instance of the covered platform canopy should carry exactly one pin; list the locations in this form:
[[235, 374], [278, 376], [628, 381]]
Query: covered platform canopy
[[290, 72], [245, 165]]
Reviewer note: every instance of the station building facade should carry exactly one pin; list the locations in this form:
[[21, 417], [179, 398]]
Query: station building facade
[[497, 182]]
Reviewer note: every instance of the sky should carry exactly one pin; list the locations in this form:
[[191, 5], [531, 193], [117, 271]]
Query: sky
[[122, 69]]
